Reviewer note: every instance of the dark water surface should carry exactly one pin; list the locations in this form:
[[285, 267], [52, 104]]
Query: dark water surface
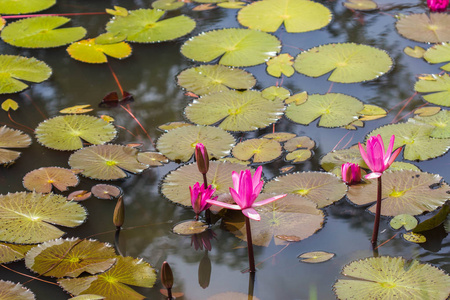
[[149, 74]]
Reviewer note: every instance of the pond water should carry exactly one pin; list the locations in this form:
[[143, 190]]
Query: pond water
[[149, 75]]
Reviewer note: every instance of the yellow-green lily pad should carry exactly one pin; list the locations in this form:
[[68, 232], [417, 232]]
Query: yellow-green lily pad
[[439, 54], [403, 220], [14, 291], [437, 87], [440, 122], [363, 5], [261, 150], [89, 51], [11, 138], [14, 7], [281, 64], [12, 252]]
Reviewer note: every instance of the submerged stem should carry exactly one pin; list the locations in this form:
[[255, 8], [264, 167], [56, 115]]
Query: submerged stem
[[376, 224], [251, 257]]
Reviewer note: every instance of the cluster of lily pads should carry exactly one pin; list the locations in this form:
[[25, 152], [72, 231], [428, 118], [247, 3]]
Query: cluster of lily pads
[[224, 103]]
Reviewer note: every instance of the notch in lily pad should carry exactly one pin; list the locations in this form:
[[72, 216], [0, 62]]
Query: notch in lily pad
[[12, 138]]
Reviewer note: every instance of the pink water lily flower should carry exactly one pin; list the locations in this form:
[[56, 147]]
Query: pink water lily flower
[[437, 5], [246, 190], [351, 173], [199, 196], [376, 158]]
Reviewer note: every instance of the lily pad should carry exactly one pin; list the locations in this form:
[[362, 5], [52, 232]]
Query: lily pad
[[440, 122], [372, 112], [70, 257], [334, 110], [298, 98], [399, 165], [15, 68], [403, 192], [89, 51], [439, 54], [417, 52], [175, 185], [289, 216], [105, 191], [14, 291], [403, 220], [261, 150], [114, 283], [437, 87], [153, 159], [144, 26], [432, 28], [413, 237], [348, 62], [363, 5], [336, 158], [208, 79], [14, 7], [301, 142], [190, 227], [236, 111], [298, 156], [232, 4], [68, 132], [427, 111], [77, 109], [23, 214], [419, 145], [281, 64], [315, 257], [392, 278], [279, 136], [275, 93], [239, 47], [297, 15], [11, 138], [319, 187], [435, 220], [179, 143], [43, 179], [106, 162], [12, 252], [41, 32], [167, 4]]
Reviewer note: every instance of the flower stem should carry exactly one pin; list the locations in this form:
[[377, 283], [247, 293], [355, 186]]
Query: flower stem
[[251, 257], [376, 224]]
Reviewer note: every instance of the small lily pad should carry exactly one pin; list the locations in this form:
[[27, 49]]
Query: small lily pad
[[43, 179], [236, 111], [336, 158], [79, 195], [334, 110], [319, 187], [392, 278], [11, 138], [15, 291], [348, 62], [190, 227], [315, 257], [261, 150], [77, 109], [298, 99], [105, 191], [281, 64], [427, 111], [403, 220], [432, 28], [89, 51], [167, 4], [275, 93], [301, 142], [279, 136], [417, 52], [437, 88], [208, 79], [372, 112], [41, 32], [298, 156], [12, 252], [68, 132], [239, 47], [297, 15], [153, 159], [413, 237], [363, 5], [14, 7], [440, 122], [439, 54], [179, 143]]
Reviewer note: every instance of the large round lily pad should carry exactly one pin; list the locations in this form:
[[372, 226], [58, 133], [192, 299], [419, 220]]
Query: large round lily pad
[[236, 111], [334, 110], [89, 52], [16, 68], [41, 32], [11, 138], [432, 28], [179, 143], [347, 62], [144, 26], [319, 187], [291, 216], [238, 47], [297, 15], [403, 192], [23, 214], [392, 278], [14, 7], [68, 132], [437, 87]]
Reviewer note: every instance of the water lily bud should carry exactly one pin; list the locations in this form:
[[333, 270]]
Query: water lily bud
[[437, 5], [202, 158], [119, 213], [166, 275], [351, 173]]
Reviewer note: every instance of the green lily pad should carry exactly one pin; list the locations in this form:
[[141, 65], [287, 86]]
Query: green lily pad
[[179, 143], [208, 79], [144, 26], [11, 138], [14, 291], [315, 257], [15, 68], [279, 136], [439, 54], [399, 165], [336, 158], [289, 216], [232, 4], [348, 62], [281, 64], [236, 111], [334, 110], [89, 51], [298, 98], [392, 278], [440, 121], [301, 142], [427, 111], [41, 32], [297, 15], [363, 5], [417, 52], [190, 227], [261, 150], [275, 93], [175, 185], [298, 156], [239, 47], [70, 257], [68, 132], [12, 252], [435, 220], [153, 159], [403, 192], [23, 214], [319, 187], [167, 4], [172, 125], [408, 221], [372, 112], [106, 162], [14, 7], [432, 28], [114, 283], [43, 179], [438, 87], [416, 139]]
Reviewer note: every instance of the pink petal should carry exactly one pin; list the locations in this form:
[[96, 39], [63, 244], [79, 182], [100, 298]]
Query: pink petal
[[223, 204], [251, 213], [393, 157], [236, 198], [265, 201], [387, 155], [246, 191], [364, 155], [373, 175], [235, 176], [257, 176], [375, 154], [257, 189], [380, 140]]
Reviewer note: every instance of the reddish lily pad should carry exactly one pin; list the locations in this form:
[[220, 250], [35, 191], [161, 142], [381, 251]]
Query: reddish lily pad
[[11, 138], [43, 179], [106, 191], [14, 291]]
